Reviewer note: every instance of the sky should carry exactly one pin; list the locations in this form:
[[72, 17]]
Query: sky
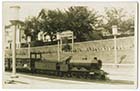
[[33, 8]]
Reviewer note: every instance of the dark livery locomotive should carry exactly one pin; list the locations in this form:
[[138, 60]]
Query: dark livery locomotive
[[65, 68]]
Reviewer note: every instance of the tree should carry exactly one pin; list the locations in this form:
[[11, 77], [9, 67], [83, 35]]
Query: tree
[[32, 27], [78, 19], [82, 22], [52, 21], [117, 17], [127, 26]]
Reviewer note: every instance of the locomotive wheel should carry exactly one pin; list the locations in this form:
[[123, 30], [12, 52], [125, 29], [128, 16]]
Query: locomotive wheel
[[61, 74], [68, 75], [84, 76], [98, 76], [90, 76], [74, 75], [103, 77], [81, 75], [78, 75], [65, 74]]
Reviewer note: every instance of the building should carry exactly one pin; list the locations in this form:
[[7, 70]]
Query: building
[[44, 36], [20, 36]]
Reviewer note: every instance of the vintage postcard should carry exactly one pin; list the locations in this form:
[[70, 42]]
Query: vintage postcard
[[69, 45]]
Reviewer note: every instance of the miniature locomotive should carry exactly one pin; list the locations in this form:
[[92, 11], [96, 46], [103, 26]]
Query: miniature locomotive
[[65, 68]]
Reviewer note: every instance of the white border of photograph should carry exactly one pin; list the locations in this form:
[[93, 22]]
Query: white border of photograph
[[136, 45]]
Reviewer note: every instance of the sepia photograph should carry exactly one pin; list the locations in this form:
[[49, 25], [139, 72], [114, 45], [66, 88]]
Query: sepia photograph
[[69, 45]]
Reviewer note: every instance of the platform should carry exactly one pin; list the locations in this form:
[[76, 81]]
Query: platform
[[120, 78]]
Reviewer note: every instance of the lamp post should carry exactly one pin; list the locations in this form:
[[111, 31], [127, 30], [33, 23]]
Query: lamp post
[[29, 41], [58, 46], [14, 19], [72, 42], [115, 32]]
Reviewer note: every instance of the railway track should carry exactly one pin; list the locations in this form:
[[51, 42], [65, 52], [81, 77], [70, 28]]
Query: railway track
[[41, 75]]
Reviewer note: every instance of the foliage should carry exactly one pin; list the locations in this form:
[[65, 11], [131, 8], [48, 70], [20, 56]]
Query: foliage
[[118, 17], [78, 19], [52, 22], [85, 23], [81, 21], [32, 27], [127, 26]]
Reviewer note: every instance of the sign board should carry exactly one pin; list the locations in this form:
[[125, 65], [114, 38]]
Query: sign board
[[58, 36], [114, 30], [29, 39], [68, 34]]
